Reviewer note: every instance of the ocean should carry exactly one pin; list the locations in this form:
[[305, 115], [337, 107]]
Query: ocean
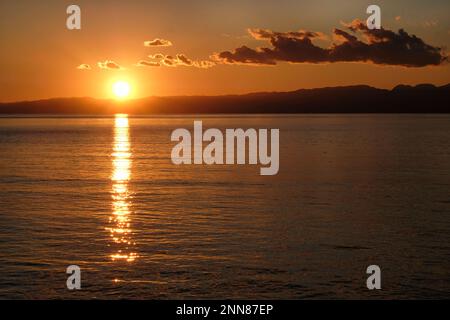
[[102, 193]]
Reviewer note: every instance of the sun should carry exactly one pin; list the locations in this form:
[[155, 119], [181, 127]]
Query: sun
[[121, 89]]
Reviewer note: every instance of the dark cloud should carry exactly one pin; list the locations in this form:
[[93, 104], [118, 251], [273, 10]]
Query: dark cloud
[[158, 43], [144, 63], [382, 47], [265, 34], [110, 65]]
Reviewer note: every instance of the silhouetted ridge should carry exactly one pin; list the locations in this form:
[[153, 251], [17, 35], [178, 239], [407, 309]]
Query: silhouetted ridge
[[423, 98]]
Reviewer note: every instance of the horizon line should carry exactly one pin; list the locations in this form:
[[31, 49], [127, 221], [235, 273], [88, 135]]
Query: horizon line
[[220, 95]]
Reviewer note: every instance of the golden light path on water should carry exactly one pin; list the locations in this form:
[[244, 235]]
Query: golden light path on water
[[120, 231]]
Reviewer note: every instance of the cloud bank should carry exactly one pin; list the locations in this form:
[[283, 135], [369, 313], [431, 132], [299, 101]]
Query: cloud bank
[[382, 47]]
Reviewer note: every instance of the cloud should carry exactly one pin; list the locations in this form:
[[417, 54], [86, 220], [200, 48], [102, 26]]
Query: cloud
[[158, 56], [110, 65], [181, 60], [144, 63], [204, 64], [158, 43], [383, 47], [84, 66], [184, 61], [265, 34]]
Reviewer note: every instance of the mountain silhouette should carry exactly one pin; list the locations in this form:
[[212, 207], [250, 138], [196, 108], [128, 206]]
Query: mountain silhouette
[[423, 98]]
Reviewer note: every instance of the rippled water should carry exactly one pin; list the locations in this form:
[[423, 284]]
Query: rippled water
[[102, 193]]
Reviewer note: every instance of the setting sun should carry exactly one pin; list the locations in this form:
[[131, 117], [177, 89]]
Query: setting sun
[[121, 89]]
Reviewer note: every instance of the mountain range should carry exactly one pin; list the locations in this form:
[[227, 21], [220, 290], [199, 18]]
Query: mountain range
[[423, 98]]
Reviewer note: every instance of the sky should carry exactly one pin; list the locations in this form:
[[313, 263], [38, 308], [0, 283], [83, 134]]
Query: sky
[[205, 47]]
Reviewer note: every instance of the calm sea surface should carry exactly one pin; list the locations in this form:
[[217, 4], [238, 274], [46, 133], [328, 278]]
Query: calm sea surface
[[102, 193]]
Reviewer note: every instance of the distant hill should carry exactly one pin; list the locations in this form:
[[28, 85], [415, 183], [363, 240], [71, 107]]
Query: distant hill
[[424, 98]]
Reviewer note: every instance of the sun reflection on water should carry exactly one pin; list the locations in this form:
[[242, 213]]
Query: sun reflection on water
[[120, 231]]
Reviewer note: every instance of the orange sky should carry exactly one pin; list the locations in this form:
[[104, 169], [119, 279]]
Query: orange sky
[[39, 56]]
